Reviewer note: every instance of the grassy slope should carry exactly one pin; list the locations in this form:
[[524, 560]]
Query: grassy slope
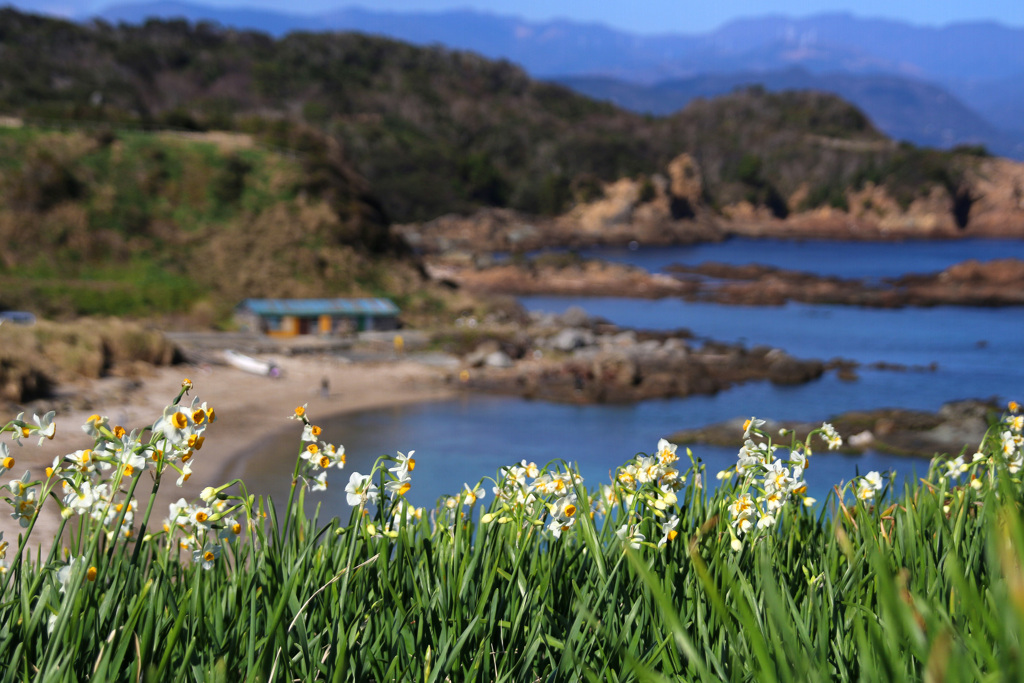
[[140, 223]]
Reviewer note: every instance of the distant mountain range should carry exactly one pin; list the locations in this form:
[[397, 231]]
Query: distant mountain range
[[958, 84]]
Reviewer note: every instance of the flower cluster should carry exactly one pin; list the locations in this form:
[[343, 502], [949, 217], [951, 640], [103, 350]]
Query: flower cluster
[[768, 482], [530, 497], [647, 488], [317, 456], [868, 486], [1005, 440], [641, 498], [361, 492]]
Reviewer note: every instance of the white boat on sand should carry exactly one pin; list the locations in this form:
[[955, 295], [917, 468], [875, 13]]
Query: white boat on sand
[[250, 364]]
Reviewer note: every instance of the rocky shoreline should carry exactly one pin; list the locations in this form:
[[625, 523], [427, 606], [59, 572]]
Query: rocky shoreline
[[957, 427], [576, 359], [969, 283], [672, 209]]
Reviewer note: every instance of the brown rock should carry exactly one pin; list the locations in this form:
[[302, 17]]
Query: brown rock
[[686, 186]]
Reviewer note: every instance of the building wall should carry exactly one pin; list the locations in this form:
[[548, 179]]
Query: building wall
[[326, 324], [289, 327]]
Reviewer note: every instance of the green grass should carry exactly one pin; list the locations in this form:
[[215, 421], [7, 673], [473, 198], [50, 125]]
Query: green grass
[[875, 584]]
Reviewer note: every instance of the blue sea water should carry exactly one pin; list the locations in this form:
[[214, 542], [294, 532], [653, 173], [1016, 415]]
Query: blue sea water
[[951, 352]]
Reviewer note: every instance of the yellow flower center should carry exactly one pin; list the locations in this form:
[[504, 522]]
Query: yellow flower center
[[410, 464], [199, 416], [90, 574], [129, 470], [201, 516], [119, 431], [9, 462], [315, 431], [236, 528], [25, 431], [406, 486], [210, 415], [300, 411], [325, 462], [313, 448], [672, 535], [208, 556], [179, 420], [570, 510]]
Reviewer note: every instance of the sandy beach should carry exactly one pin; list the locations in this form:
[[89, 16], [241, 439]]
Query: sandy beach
[[250, 410]]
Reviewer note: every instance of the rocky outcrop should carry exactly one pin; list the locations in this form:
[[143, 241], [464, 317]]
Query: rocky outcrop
[[988, 201], [578, 278], [970, 283], [957, 427], [686, 187], [590, 361]]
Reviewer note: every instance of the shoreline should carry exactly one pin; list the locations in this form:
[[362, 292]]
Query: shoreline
[[251, 411]]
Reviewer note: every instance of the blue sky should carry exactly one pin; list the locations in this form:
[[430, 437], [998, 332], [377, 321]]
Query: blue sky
[[641, 16]]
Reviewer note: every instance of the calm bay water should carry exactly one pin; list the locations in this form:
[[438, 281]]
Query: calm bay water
[[974, 353]]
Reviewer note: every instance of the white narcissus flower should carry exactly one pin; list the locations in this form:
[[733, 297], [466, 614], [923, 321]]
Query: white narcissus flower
[[776, 477], [404, 465], [360, 490], [80, 501], [668, 530], [186, 472], [94, 424], [208, 555], [46, 427], [630, 535], [830, 436], [199, 518], [531, 469], [319, 482], [64, 573], [472, 495], [311, 433], [666, 452], [398, 487], [336, 454], [869, 484], [751, 425]]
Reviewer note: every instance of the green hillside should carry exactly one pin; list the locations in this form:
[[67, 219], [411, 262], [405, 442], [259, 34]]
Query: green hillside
[[434, 131], [143, 223]]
